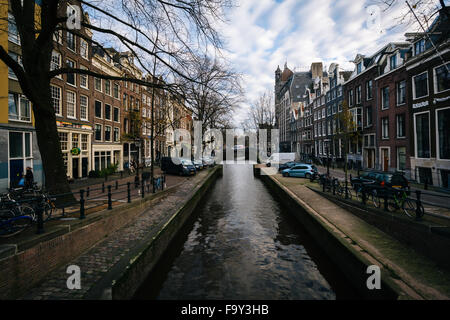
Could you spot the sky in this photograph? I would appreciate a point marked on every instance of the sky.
(262, 34)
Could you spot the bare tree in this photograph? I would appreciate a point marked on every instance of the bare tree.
(214, 95)
(187, 25)
(261, 113)
(423, 11)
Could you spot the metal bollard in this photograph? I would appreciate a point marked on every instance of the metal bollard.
(334, 187)
(363, 195)
(163, 178)
(419, 205)
(129, 192)
(109, 198)
(117, 184)
(142, 190)
(154, 185)
(136, 182)
(323, 184)
(40, 219)
(82, 201)
(103, 187)
(87, 192)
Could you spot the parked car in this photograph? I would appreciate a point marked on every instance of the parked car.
(280, 158)
(210, 162)
(381, 179)
(288, 165)
(302, 170)
(177, 166)
(198, 164)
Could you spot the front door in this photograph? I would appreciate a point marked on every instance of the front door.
(84, 167)
(75, 168)
(15, 172)
(385, 157)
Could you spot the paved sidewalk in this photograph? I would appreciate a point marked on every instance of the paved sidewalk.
(419, 276)
(101, 258)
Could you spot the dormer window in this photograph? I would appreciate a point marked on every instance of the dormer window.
(419, 47)
(359, 68)
(393, 62)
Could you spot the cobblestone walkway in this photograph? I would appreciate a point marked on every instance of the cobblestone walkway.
(103, 256)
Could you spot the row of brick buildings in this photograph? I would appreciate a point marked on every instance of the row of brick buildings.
(100, 122)
(399, 99)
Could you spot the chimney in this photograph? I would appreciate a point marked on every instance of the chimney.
(317, 70)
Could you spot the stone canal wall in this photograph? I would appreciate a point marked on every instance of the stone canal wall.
(22, 269)
(149, 253)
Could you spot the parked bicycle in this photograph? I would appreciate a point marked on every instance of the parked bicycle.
(371, 193)
(398, 199)
(14, 216)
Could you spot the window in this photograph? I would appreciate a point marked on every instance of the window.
(56, 99)
(98, 109)
(401, 92)
(19, 108)
(84, 142)
(108, 87)
(71, 111)
(107, 112)
(16, 58)
(84, 103)
(358, 94)
(107, 133)
(70, 76)
(359, 68)
(125, 101)
(385, 98)
(98, 132)
(20, 154)
(75, 140)
(340, 91)
(357, 116)
(70, 41)
(116, 115)
(422, 135)
(84, 82)
(420, 85)
(64, 141)
(98, 84)
(401, 126)
(393, 62)
(385, 128)
(419, 47)
(84, 48)
(13, 33)
(116, 134)
(442, 78)
(443, 120)
(57, 36)
(368, 116)
(55, 63)
(116, 91)
(350, 98)
(401, 158)
(369, 85)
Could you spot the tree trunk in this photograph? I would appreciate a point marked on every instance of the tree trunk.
(49, 145)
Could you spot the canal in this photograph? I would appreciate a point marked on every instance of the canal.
(241, 243)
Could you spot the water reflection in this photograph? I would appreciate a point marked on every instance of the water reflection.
(240, 246)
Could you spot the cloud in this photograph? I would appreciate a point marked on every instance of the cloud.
(262, 34)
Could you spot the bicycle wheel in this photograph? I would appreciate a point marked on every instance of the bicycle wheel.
(15, 225)
(410, 208)
(48, 210)
(375, 199)
(392, 205)
(26, 210)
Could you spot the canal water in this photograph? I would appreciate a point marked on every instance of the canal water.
(241, 243)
